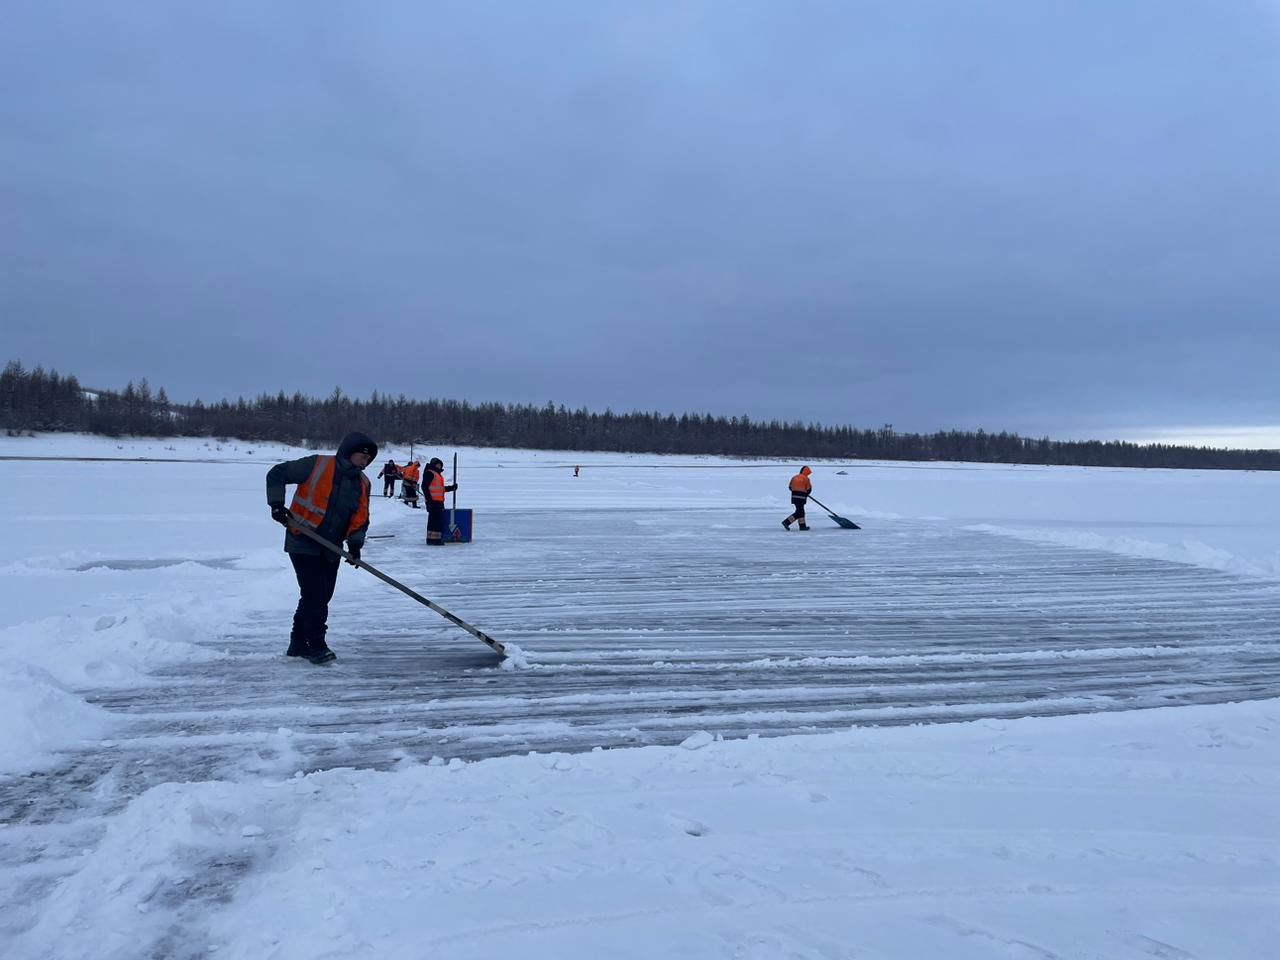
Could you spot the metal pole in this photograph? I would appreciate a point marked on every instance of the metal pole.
(453, 506)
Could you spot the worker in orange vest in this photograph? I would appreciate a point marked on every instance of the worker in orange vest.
(801, 486)
(409, 483)
(333, 500)
(435, 488)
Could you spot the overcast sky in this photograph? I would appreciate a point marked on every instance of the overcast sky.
(1052, 217)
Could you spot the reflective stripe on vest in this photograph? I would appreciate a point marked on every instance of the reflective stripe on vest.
(311, 499)
(436, 488)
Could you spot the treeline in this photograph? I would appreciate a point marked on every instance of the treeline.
(44, 400)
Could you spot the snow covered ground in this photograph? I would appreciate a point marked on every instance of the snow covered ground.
(170, 786)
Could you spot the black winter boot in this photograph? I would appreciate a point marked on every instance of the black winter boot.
(802, 527)
(319, 652)
(297, 646)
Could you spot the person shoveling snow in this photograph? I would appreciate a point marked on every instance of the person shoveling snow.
(332, 500)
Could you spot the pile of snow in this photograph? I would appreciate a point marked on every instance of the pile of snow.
(48, 661)
(108, 651)
(514, 658)
(39, 716)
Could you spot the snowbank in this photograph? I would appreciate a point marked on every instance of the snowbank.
(93, 446)
(1193, 552)
(48, 661)
(39, 716)
(1149, 833)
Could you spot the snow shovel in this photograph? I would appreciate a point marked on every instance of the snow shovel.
(846, 523)
(478, 634)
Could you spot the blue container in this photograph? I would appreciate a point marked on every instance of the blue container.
(457, 526)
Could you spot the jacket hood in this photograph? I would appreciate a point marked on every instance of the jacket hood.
(805, 471)
(356, 441)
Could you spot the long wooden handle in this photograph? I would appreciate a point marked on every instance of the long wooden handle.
(478, 634)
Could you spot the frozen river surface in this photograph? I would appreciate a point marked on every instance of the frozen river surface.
(642, 627)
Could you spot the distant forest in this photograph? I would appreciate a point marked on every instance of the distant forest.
(43, 400)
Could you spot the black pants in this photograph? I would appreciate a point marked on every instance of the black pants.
(435, 519)
(797, 508)
(388, 486)
(316, 579)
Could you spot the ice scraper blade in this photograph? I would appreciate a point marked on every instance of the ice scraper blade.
(846, 523)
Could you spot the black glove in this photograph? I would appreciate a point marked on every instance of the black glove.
(354, 555)
(280, 515)
(452, 487)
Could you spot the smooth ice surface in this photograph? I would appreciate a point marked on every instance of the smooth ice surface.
(170, 785)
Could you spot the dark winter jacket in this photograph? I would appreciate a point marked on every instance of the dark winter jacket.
(349, 485)
(390, 471)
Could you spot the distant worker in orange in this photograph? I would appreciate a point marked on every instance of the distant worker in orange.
(801, 487)
(436, 488)
(409, 483)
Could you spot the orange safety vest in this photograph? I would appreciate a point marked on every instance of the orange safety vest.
(800, 483)
(435, 489)
(411, 472)
(311, 499)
